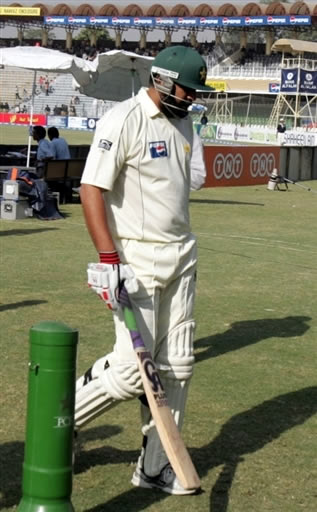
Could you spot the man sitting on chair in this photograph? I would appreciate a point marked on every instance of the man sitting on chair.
(59, 145)
(44, 150)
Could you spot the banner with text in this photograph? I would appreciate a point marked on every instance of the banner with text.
(239, 166)
(7, 118)
(308, 82)
(289, 79)
(181, 22)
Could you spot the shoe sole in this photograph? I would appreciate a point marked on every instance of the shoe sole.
(139, 482)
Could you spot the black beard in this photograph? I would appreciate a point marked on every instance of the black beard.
(174, 108)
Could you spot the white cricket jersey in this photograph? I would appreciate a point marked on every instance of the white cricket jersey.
(142, 160)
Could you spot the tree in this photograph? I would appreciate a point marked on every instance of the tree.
(36, 33)
(102, 35)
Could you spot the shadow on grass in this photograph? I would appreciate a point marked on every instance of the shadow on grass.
(12, 454)
(249, 432)
(244, 433)
(20, 232)
(218, 201)
(21, 304)
(242, 334)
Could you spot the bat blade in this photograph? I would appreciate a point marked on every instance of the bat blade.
(170, 437)
(169, 434)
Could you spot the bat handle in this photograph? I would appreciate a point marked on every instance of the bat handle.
(130, 320)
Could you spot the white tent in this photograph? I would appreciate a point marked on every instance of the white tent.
(114, 76)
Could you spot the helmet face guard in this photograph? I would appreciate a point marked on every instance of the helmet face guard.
(179, 65)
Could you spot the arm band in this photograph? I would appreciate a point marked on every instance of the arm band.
(110, 258)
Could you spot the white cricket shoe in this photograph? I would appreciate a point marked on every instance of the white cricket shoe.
(167, 481)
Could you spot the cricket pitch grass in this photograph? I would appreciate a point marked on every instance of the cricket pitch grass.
(251, 424)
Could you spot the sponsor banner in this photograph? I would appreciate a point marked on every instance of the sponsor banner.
(253, 21)
(225, 132)
(218, 85)
(79, 21)
(239, 166)
(180, 22)
(238, 133)
(98, 20)
(91, 123)
(241, 133)
(275, 88)
(308, 81)
(20, 11)
(165, 22)
(232, 22)
(55, 20)
(299, 20)
(289, 79)
(7, 118)
(207, 132)
(262, 135)
(293, 138)
(77, 123)
(58, 121)
(144, 22)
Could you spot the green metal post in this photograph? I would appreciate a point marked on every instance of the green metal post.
(47, 467)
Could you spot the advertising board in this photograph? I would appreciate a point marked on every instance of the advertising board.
(239, 166)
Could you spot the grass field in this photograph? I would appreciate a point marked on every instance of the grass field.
(251, 421)
(20, 134)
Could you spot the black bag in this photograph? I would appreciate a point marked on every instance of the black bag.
(36, 191)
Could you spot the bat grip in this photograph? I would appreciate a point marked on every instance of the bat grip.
(130, 320)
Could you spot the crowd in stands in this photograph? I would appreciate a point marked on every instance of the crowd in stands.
(46, 85)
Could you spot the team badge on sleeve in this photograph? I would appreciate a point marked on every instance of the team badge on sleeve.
(158, 149)
(105, 144)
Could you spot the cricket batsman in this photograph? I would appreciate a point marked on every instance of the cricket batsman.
(143, 162)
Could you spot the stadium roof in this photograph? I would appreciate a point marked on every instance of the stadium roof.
(166, 8)
(294, 46)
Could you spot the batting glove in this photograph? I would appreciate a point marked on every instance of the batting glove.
(107, 277)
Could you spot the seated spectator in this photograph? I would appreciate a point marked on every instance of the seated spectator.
(59, 145)
(47, 110)
(44, 150)
(56, 111)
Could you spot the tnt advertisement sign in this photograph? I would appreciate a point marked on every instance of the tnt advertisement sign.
(239, 166)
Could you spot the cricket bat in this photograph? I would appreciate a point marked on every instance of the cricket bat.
(170, 437)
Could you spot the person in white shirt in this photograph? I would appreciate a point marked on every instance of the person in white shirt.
(135, 189)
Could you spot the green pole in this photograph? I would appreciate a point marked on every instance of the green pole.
(47, 467)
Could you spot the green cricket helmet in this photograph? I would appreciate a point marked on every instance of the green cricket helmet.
(184, 65)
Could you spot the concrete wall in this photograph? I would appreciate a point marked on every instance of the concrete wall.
(298, 163)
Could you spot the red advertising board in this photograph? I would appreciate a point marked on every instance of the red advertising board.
(238, 166)
(7, 118)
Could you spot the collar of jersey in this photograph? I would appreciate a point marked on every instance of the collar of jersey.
(148, 104)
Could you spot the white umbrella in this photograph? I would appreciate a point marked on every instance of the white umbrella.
(41, 59)
(115, 75)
